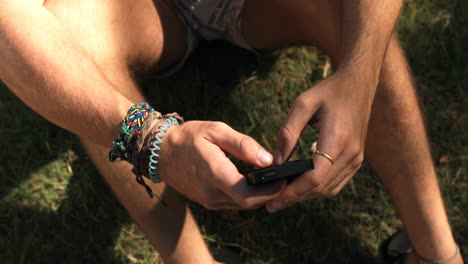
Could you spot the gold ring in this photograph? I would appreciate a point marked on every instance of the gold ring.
(323, 154)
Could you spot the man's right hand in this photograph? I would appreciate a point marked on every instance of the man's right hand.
(193, 162)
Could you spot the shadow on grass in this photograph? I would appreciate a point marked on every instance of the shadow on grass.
(301, 234)
(83, 229)
(204, 90)
(86, 220)
(76, 220)
(82, 223)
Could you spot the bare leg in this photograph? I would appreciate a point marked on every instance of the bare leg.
(172, 229)
(397, 134)
(396, 146)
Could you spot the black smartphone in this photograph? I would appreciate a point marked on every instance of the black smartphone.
(284, 171)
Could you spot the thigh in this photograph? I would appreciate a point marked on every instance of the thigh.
(123, 37)
(280, 24)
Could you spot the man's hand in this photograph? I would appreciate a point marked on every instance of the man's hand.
(342, 103)
(194, 163)
(341, 115)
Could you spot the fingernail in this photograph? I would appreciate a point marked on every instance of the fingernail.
(275, 206)
(264, 157)
(270, 208)
(278, 156)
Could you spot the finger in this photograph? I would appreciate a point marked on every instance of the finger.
(228, 179)
(335, 173)
(283, 204)
(333, 187)
(350, 161)
(341, 185)
(329, 158)
(336, 187)
(217, 200)
(313, 183)
(221, 200)
(232, 206)
(327, 175)
(294, 192)
(255, 196)
(241, 146)
(226, 206)
(299, 116)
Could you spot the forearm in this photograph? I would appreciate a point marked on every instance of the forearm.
(42, 64)
(367, 27)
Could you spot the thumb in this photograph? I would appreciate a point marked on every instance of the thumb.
(241, 146)
(299, 116)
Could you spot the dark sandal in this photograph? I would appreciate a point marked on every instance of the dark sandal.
(395, 248)
(227, 255)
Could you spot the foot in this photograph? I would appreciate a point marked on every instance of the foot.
(397, 249)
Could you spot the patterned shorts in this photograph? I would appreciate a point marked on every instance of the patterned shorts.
(209, 20)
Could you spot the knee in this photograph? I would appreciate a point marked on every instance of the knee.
(281, 24)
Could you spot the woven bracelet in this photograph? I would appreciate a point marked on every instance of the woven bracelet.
(129, 131)
(130, 144)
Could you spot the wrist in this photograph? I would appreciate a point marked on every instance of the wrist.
(148, 145)
(359, 74)
(168, 121)
(351, 85)
(141, 134)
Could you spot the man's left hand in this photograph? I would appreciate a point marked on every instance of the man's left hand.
(340, 108)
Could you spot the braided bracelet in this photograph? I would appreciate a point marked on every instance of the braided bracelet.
(154, 158)
(139, 141)
(129, 131)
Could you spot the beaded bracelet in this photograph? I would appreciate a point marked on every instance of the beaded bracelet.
(129, 131)
(139, 141)
(154, 158)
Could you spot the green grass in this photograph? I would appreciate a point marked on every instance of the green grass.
(54, 207)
